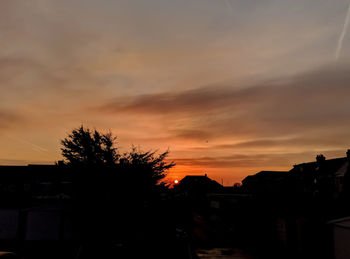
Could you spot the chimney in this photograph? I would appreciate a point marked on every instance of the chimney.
(320, 158)
(348, 154)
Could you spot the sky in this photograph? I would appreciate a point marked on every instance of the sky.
(230, 87)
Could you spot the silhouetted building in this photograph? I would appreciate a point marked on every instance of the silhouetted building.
(199, 184)
(23, 186)
(322, 177)
(266, 181)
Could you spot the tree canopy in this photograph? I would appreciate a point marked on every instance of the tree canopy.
(148, 167)
(84, 147)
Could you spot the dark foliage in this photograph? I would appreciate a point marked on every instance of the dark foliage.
(118, 197)
(90, 148)
(84, 147)
(147, 167)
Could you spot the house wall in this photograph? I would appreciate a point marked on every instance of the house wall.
(43, 225)
(9, 222)
(37, 225)
(281, 228)
(341, 237)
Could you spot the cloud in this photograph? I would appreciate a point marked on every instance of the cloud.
(9, 119)
(59, 57)
(191, 101)
(240, 160)
(320, 85)
(295, 143)
(262, 161)
(191, 134)
(314, 101)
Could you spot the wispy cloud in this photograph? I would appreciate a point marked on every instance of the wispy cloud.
(265, 160)
(175, 74)
(271, 125)
(317, 99)
(9, 118)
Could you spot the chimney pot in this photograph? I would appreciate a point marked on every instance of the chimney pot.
(320, 158)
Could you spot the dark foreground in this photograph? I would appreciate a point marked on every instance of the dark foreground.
(60, 212)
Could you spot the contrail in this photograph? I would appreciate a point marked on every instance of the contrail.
(343, 33)
(34, 147)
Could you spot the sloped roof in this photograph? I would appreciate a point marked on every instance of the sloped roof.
(330, 166)
(267, 176)
(343, 169)
(198, 181)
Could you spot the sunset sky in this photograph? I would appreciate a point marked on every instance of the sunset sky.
(231, 87)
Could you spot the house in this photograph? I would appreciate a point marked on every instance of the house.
(322, 177)
(48, 223)
(199, 184)
(20, 186)
(266, 181)
(9, 224)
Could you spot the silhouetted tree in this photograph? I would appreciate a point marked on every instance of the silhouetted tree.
(117, 197)
(148, 168)
(90, 148)
(84, 147)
